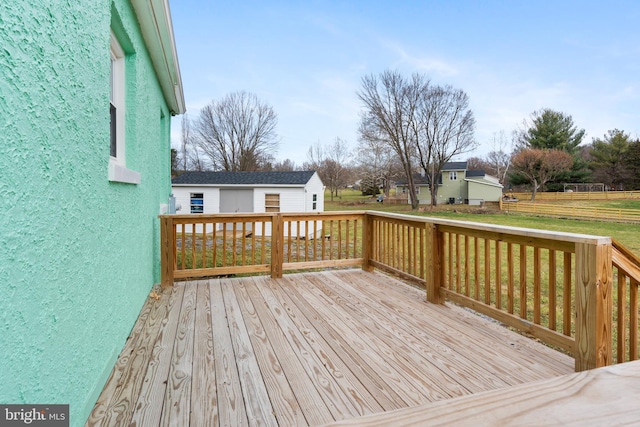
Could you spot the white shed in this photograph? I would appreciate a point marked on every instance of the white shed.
(231, 192)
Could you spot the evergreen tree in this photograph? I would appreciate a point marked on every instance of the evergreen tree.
(633, 164)
(553, 130)
(609, 159)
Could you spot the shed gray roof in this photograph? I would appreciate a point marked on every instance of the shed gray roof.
(475, 174)
(244, 178)
(454, 166)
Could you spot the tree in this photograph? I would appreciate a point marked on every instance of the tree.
(189, 157)
(378, 165)
(499, 158)
(331, 163)
(478, 164)
(424, 125)
(608, 159)
(286, 165)
(550, 130)
(497, 162)
(445, 129)
(553, 130)
(390, 116)
(541, 166)
(633, 163)
(237, 133)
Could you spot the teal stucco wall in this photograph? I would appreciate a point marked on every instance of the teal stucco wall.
(79, 254)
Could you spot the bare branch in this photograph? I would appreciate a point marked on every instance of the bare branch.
(237, 133)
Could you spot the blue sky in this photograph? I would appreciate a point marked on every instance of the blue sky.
(306, 59)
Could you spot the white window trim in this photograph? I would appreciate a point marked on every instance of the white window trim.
(453, 176)
(118, 171)
(192, 205)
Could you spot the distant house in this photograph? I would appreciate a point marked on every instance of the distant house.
(87, 91)
(457, 185)
(231, 192)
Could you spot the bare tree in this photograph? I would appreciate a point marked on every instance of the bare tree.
(331, 163)
(315, 157)
(476, 163)
(541, 166)
(378, 164)
(500, 156)
(189, 157)
(185, 140)
(336, 167)
(390, 115)
(286, 165)
(446, 129)
(237, 133)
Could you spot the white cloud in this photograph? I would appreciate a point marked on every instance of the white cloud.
(421, 63)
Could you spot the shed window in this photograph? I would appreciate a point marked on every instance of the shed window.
(272, 203)
(197, 203)
(315, 199)
(453, 176)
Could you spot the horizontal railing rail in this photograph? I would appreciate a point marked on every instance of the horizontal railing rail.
(558, 287)
(214, 245)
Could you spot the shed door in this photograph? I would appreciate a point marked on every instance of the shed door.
(233, 201)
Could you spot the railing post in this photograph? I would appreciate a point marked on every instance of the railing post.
(277, 245)
(367, 242)
(594, 306)
(167, 251)
(435, 260)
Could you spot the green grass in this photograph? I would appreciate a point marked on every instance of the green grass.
(627, 234)
(613, 204)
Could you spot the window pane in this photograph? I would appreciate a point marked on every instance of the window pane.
(114, 127)
(197, 203)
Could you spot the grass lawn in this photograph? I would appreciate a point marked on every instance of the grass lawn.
(627, 234)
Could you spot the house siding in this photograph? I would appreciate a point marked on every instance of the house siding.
(211, 198)
(292, 199)
(456, 189)
(485, 192)
(80, 253)
(314, 186)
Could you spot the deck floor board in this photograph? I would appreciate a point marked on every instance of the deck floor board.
(307, 349)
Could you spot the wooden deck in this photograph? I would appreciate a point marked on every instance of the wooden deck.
(307, 349)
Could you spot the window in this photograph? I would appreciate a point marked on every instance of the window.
(117, 161)
(453, 176)
(197, 203)
(315, 199)
(272, 203)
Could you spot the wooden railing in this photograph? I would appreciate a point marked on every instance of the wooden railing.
(214, 245)
(626, 272)
(591, 212)
(557, 287)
